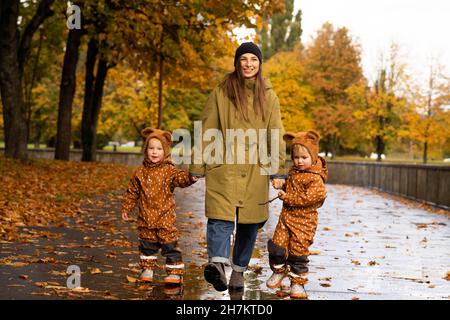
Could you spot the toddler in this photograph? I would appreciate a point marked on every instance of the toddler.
(302, 194)
(152, 186)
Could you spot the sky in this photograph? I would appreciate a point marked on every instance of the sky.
(421, 29)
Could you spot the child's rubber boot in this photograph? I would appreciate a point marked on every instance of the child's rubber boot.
(146, 275)
(298, 291)
(173, 279)
(275, 280)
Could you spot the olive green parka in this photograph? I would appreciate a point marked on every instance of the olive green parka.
(236, 185)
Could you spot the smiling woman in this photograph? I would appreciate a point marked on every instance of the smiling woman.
(243, 101)
(249, 65)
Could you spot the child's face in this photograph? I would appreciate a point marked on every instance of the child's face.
(249, 65)
(302, 159)
(155, 151)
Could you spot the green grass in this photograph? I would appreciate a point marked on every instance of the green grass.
(123, 149)
(29, 146)
(107, 148)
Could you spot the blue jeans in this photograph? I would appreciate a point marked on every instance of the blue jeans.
(218, 234)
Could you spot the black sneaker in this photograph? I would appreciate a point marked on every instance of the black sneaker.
(215, 274)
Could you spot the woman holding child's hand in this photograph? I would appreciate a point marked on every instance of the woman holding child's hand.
(243, 102)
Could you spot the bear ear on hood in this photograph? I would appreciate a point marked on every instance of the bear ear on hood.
(289, 136)
(146, 132)
(168, 136)
(313, 135)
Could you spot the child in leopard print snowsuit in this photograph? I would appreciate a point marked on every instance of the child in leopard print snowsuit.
(151, 187)
(303, 193)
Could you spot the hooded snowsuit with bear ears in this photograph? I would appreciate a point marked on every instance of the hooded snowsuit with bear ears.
(152, 188)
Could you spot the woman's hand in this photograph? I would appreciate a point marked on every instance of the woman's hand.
(281, 194)
(278, 183)
(125, 216)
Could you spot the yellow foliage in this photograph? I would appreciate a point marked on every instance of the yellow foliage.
(286, 72)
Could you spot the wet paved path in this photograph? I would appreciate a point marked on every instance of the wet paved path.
(367, 246)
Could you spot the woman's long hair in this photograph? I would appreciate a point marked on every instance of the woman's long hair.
(234, 87)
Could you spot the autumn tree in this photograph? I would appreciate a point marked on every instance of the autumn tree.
(332, 66)
(286, 71)
(282, 31)
(427, 122)
(16, 34)
(68, 86)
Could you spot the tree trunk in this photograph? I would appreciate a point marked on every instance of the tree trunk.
(28, 90)
(66, 95)
(379, 144)
(93, 95)
(379, 140)
(160, 90)
(86, 122)
(425, 152)
(14, 52)
(14, 113)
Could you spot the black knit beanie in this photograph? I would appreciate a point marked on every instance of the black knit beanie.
(247, 47)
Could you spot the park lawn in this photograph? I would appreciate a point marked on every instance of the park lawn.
(40, 192)
(124, 149)
(107, 148)
(29, 146)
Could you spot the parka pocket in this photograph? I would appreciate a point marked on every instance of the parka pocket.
(210, 167)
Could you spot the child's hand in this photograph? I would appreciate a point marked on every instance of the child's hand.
(194, 178)
(125, 216)
(282, 194)
(278, 183)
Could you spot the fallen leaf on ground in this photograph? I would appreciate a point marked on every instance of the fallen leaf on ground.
(23, 277)
(15, 264)
(282, 294)
(325, 279)
(447, 277)
(41, 294)
(80, 289)
(96, 271)
(372, 263)
(56, 287)
(131, 279)
(256, 269)
(325, 284)
(41, 284)
(314, 253)
(356, 262)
